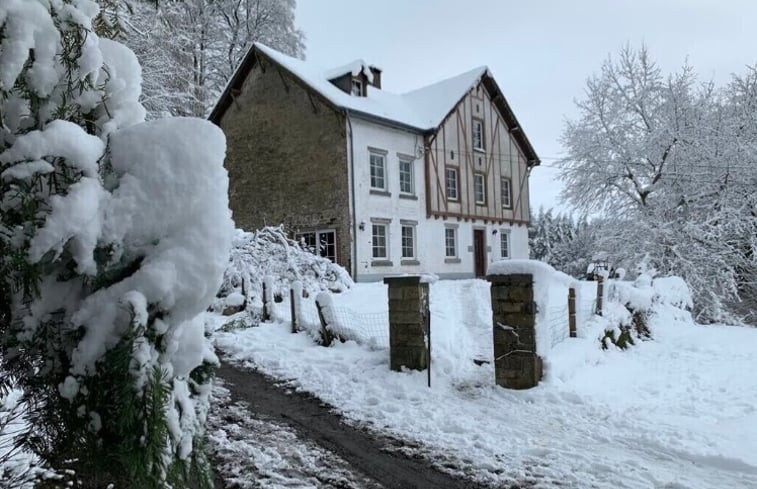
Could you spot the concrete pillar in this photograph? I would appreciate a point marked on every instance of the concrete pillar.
(408, 316)
(516, 364)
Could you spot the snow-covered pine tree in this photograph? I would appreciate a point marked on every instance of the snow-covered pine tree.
(562, 241)
(114, 235)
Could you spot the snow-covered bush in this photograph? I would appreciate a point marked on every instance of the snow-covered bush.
(635, 308)
(114, 235)
(268, 252)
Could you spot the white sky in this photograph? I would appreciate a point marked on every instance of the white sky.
(540, 51)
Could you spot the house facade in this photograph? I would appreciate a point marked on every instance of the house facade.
(433, 180)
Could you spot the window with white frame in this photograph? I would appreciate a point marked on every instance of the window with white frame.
(378, 170)
(408, 241)
(479, 188)
(357, 88)
(407, 184)
(450, 179)
(504, 243)
(478, 134)
(507, 202)
(450, 242)
(379, 241)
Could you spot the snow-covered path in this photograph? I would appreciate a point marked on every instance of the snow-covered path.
(676, 412)
(273, 437)
(255, 451)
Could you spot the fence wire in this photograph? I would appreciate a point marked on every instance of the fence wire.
(366, 328)
(557, 322)
(370, 329)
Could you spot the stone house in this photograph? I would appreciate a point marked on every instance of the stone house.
(432, 180)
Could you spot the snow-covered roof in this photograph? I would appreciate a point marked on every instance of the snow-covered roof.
(423, 109)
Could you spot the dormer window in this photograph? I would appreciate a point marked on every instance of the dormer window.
(357, 88)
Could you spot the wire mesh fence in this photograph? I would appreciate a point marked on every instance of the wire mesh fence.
(370, 329)
(366, 328)
(557, 322)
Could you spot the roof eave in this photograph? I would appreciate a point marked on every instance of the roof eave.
(512, 122)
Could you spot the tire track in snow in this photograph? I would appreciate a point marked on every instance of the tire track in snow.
(366, 453)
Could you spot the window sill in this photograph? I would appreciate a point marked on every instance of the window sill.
(480, 150)
(410, 261)
(409, 196)
(382, 193)
(481, 204)
(507, 208)
(382, 263)
(455, 200)
(452, 260)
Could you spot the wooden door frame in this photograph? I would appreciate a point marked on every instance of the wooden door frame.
(482, 253)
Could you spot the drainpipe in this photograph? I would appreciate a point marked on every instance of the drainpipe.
(352, 200)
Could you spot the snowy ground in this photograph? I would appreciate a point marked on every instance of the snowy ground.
(676, 412)
(255, 452)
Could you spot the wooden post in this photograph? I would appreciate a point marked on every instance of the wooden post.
(266, 306)
(572, 312)
(325, 333)
(293, 309)
(427, 314)
(600, 293)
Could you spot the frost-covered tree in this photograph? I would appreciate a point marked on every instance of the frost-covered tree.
(670, 164)
(114, 235)
(189, 49)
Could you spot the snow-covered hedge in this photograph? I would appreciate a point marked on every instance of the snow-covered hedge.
(269, 252)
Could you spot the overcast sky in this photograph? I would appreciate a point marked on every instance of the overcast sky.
(540, 51)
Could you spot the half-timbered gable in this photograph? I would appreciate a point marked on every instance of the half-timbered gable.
(476, 165)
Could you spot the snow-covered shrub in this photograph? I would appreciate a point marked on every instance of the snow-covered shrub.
(635, 308)
(114, 234)
(269, 252)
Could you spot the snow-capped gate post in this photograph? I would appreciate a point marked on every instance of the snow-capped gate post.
(409, 331)
(516, 364)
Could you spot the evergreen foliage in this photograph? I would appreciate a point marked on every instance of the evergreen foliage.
(562, 241)
(128, 417)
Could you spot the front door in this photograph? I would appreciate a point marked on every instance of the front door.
(479, 252)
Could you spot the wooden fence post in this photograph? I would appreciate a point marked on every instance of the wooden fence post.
(600, 293)
(572, 312)
(266, 306)
(326, 335)
(293, 309)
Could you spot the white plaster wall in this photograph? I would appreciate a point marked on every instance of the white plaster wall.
(430, 248)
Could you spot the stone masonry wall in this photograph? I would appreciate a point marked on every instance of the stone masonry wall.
(287, 158)
(516, 364)
(408, 311)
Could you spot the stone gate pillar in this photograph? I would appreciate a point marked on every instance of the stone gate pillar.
(516, 364)
(408, 316)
